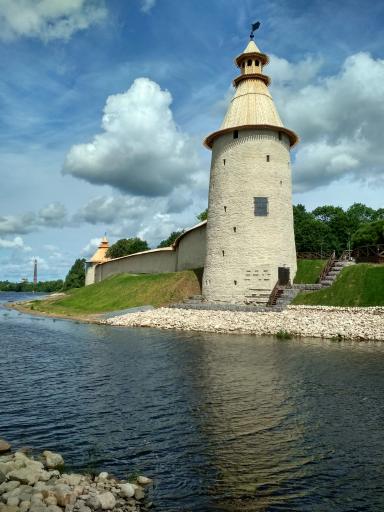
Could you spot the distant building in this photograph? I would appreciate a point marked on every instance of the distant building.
(100, 256)
(250, 237)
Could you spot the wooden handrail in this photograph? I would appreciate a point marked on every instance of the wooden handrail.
(328, 266)
(273, 294)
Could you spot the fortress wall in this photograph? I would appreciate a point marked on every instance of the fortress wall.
(191, 249)
(89, 274)
(151, 262)
(188, 254)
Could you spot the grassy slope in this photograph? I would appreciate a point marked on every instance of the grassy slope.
(308, 271)
(124, 291)
(358, 285)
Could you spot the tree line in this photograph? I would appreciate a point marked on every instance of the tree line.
(322, 230)
(25, 286)
(332, 228)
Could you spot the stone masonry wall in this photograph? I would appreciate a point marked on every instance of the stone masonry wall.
(244, 251)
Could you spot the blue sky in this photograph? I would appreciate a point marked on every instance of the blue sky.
(104, 105)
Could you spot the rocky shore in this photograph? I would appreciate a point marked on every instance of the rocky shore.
(311, 321)
(29, 484)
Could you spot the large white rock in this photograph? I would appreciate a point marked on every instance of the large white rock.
(63, 494)
(107, 500)
(27, 475)
(143, 480)
(53, 460)
(127, 490)
(4, 446)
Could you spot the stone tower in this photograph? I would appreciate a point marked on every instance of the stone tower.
(100, 256)
(250, 237)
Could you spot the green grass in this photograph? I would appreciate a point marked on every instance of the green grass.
(283, 335)
(357, 285)
(308, 271)
(123, 291)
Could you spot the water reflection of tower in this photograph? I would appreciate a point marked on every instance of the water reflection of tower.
(35, 272)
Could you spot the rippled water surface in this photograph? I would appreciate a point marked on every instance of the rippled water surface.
(223, 423)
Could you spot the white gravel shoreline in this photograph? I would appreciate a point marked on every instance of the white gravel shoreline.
(311, 321)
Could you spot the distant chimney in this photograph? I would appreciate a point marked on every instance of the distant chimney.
(35, 272)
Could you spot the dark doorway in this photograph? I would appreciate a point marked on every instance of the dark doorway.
(283, 275)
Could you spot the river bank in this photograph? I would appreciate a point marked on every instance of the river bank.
(25, 307)
(355, 323)
(299, 321)
(29, 484)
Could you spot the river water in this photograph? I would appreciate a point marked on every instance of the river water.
(222, 423)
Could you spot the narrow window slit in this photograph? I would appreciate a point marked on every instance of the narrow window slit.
(236, 134)
(234, 229)
(235, 282)
(223, 252)
(260, 205)
(223, 161)
(225, 208)
(268, 158)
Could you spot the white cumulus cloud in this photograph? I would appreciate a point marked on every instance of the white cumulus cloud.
(141, 150)
(16, 243)
(339, 118)
(53, 215)
(147, 5)
(48, 19)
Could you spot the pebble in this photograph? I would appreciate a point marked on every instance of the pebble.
(311, 321)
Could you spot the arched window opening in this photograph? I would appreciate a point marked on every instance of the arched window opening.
(249, 63)
(236, 134)
(257, 63)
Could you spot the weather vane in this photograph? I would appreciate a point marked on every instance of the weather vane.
(254, 27)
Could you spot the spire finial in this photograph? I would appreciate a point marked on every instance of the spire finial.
(254, 27)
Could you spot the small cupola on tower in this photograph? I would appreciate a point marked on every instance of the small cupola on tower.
(252, 105)
(251, 61)
(100, 254)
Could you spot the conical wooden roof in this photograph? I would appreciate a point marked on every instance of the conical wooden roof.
(101, 251)
(252, 105)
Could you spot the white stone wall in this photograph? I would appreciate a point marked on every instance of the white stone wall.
(90, 274)
(191, 249)
(247, 270)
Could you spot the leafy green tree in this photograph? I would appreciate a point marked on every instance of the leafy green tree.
(311, 234)
(369, 234)
(76, 275)
(172, 237)
(203, 215)
(126, 246)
